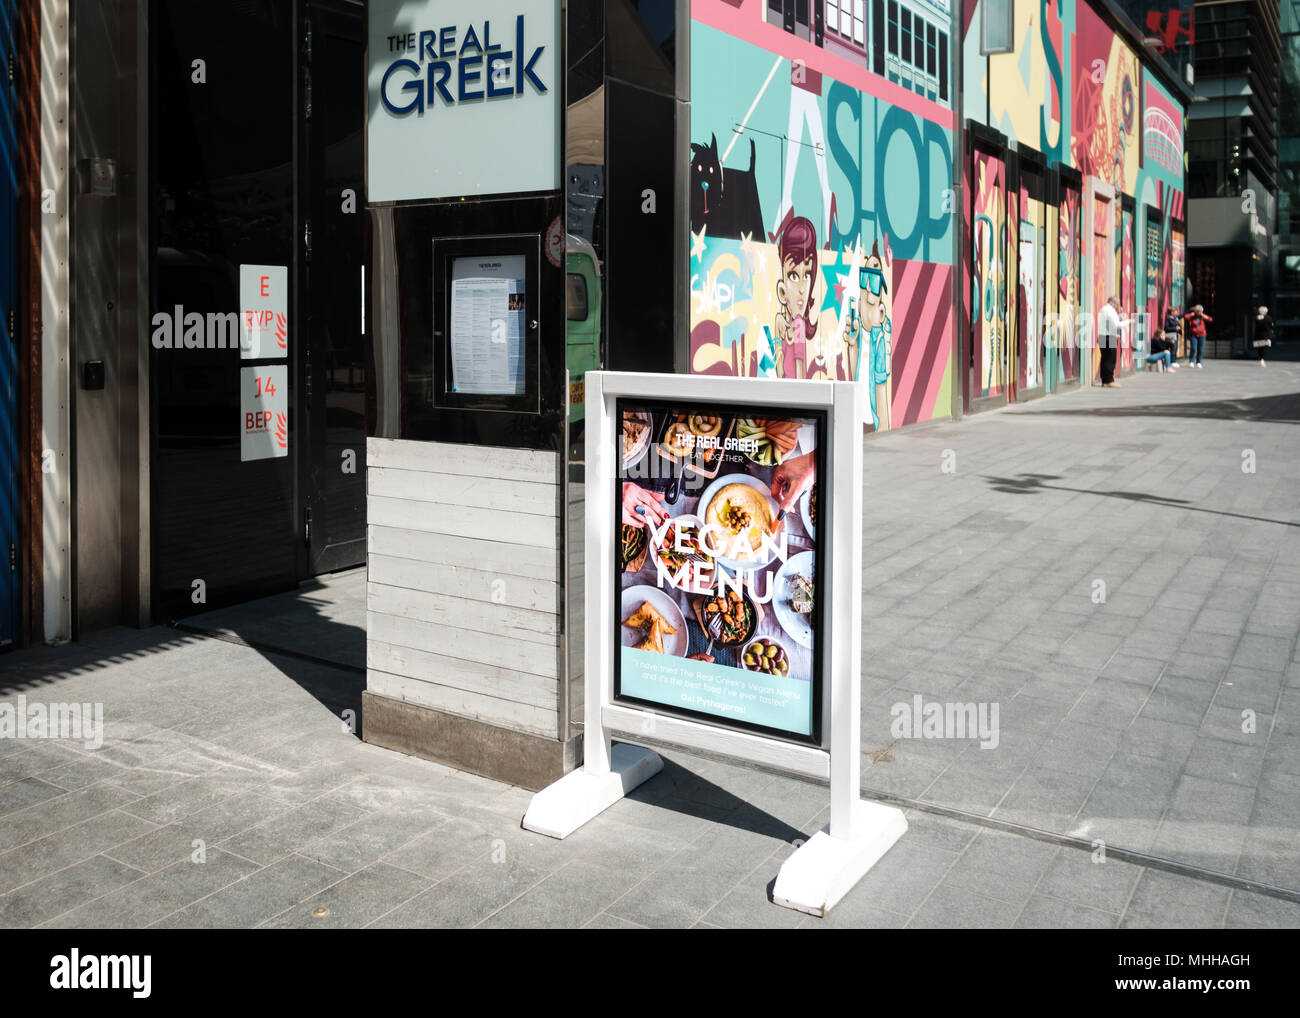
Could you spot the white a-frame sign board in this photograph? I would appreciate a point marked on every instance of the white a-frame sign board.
(710, 416)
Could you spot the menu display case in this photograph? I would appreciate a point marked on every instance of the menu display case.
(485, 334)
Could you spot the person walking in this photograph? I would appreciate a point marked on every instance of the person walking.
(1263, 335)
(1198, 318)
(1108, 326)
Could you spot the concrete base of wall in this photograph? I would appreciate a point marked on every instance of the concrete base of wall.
(528, 761)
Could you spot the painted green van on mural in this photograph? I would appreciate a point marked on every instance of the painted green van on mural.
(583, 327)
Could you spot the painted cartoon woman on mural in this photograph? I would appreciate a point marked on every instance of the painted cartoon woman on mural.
(795, 324)
(872, 317)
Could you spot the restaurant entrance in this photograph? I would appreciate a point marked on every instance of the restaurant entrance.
(257, 365)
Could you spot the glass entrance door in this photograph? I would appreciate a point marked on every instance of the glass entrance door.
(258, 387)
(224, 509)
(331, 189)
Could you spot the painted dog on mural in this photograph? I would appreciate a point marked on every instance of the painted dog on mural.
(724, 200)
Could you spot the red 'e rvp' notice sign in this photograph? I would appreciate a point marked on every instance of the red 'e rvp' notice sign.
(263, 311)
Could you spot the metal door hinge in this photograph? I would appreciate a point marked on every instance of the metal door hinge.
(306, 239)
(11, 67)
(9, 321)
(306, 527)
(306, 86)
(13, 558)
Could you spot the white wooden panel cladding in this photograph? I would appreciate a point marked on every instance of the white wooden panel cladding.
(463, 521)
(463, 599)
(446, 610)
(461, 490)
(517, 717)
(496, 588)
(494, 649)
(484, 680)
(495, 556)
(476, 461)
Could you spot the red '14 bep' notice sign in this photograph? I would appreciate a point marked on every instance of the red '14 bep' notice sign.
(264, 412)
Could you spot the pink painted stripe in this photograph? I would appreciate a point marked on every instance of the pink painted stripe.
(746, 22)
(905, 373)
(942, 364)
(921, 328)
(905, 340)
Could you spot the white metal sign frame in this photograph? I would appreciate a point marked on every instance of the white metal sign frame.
(822, 870)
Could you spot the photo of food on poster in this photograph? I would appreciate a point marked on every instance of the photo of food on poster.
(718, 601)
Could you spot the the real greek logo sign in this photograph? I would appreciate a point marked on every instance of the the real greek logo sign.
(484, 70)
(464, 99)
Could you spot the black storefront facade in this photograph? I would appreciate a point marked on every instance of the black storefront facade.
(256, 155)
(205, 275)
(506, 162)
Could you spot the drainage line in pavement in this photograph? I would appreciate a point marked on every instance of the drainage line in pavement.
(265, 648)
(1129, 855)
(1064, 840)
(1070, 841)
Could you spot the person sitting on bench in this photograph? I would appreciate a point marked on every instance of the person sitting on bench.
(1164, 351)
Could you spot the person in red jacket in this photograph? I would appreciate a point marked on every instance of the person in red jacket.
(1198, 318)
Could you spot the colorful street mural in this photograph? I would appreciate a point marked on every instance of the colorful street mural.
(989, 282)
(1010, 277)
(1178, 264)
(1032, 241)
(822, 214)
(823, 210)
(1025, 91)
(1104, 115)
(1154, 267)
(1076, 91)
(1160, 197)
(1069, 275)
(1102, 284)
(1127, 288)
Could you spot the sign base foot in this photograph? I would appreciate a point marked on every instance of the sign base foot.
(824, 869)
(561, 808)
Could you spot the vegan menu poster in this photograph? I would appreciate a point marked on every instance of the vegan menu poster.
(719, 600)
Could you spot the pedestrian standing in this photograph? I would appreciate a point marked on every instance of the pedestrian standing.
(1173, 331)
(1108, 326)
(1164, 350)
(1198, 318)
(1263, 335)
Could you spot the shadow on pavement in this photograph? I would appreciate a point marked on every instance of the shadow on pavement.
(1279, 409)
(1029, 484)
(678, 790)
(309, 634)
(314, 634)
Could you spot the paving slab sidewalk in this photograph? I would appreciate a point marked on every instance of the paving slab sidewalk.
(1154, 727)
